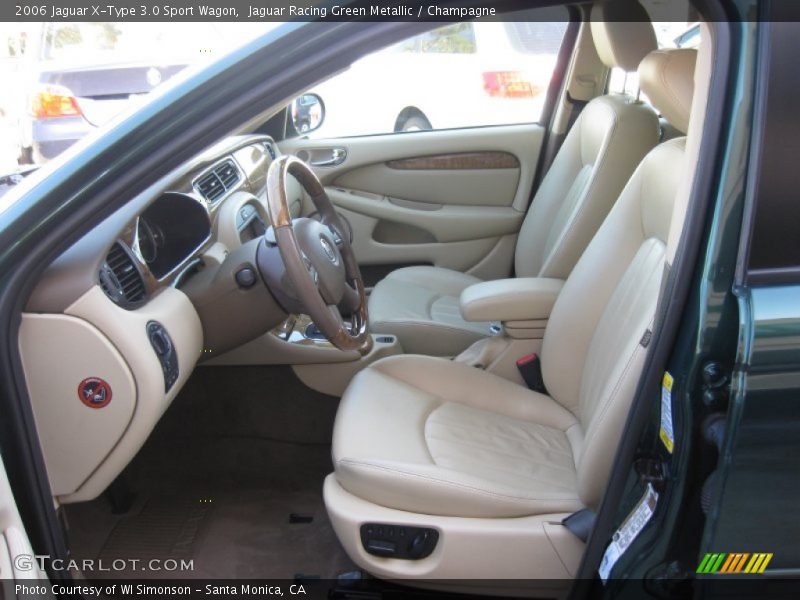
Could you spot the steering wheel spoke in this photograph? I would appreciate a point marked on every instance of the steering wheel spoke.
(337, 316)
(312, 271)
(337, 237)
(350, 299)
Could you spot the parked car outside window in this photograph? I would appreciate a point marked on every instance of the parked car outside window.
(81, 75)
(461, 75)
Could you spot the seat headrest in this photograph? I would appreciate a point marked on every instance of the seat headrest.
(622, 33)
(667, 77)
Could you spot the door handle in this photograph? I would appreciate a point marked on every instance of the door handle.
(336, 156)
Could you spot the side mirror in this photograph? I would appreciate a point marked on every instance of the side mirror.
(308, 112)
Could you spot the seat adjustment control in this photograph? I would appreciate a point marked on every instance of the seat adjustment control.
(419, 544)
(398, 541)
(380, 548)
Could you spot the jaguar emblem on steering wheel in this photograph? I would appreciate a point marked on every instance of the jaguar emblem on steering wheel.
(329, 251)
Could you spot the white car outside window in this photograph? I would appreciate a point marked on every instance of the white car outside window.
(461, 75)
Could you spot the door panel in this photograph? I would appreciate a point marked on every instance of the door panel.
(450, 198)
(16, 554)
(443, 224)
(436, 184)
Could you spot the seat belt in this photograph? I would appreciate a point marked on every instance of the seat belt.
(580, 523)
(530, 369)
(577, 109)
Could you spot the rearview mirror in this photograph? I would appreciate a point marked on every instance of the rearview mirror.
(308, 112)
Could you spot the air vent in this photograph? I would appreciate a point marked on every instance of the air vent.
(215, 183)
(228, 174)
(120, 279)
(210, 187)
(270, 151)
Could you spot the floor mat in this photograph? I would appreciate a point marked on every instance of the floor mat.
(164, 528)
(227, 536)
(216, 482)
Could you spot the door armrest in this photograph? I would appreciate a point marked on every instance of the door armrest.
(518, 299)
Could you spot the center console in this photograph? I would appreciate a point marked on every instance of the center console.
(329, 378)
(523, 306)
(316, 362)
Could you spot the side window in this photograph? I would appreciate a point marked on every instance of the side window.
(468, 74)
(774, 244)
(451, 39)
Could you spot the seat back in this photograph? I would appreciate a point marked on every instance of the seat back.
(595, 343)
(601, 150)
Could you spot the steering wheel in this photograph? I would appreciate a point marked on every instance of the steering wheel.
(318, 260)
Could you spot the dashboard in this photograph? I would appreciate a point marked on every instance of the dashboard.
(173, 228)
(138, 302)
(162, 244)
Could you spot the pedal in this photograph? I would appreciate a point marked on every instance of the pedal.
(295, 518)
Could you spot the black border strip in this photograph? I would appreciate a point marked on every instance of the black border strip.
(301, 11)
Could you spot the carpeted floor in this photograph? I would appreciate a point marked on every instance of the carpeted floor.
(239, 450)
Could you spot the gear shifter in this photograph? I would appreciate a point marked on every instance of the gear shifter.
(312, 332)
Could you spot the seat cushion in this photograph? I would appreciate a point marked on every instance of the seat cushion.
(432, 436)
(420, 306)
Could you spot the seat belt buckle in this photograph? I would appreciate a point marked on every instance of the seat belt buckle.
(530, 368)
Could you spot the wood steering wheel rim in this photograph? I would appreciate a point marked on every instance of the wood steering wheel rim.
(325, 315)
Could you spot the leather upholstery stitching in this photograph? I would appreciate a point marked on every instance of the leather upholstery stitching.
(453, 484)
(529, 460)
(501, 436)
(606, 403)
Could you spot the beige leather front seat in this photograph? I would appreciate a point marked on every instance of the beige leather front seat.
(613, 133)
(489, 465)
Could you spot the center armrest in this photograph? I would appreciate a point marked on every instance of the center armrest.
(518, 299)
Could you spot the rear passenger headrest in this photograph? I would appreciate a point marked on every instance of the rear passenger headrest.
(667, 77)
(622, 33)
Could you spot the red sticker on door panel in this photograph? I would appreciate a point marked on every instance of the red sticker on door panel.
(94, 392)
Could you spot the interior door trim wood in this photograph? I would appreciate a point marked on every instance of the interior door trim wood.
(456, 161)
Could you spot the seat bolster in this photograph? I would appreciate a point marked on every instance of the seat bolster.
(383, 418)
(420, 306)
(434, 490)
(611, 136)
(437, 279)
(432, 436)
(460, 383)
